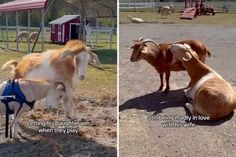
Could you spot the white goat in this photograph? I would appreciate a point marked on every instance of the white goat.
(135, 19)
(33, 36)
(67, 65)
(22, 99)
(172, 8)
(210, 94)
(21, 35)
(165, 11)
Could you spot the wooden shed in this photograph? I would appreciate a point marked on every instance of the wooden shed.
(65, 28)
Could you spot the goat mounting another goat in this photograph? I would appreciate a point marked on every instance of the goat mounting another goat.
(160, 57)
(210, 95)
(67, 65)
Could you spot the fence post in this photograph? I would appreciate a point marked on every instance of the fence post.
(43, 33)
(7, 28)
(17, 31)
(28, 36)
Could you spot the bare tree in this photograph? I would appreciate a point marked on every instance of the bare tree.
(84, 7)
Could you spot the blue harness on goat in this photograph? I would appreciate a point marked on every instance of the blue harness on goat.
(12, 88)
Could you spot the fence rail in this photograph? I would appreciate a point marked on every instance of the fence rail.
(179, 6)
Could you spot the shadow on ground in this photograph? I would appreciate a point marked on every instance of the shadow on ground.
(54, 145)
(158, 101)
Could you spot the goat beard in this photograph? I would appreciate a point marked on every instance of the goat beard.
(137, 64)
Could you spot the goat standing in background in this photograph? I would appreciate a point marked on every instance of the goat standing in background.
(33, 36)
(21, 35)
(165, 11)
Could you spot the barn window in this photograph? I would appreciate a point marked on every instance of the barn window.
(53, 28)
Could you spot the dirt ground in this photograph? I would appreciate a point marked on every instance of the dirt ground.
(141, 136)
(92, 134)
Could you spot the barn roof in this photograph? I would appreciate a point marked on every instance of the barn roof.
(18, 5)
(64, 19)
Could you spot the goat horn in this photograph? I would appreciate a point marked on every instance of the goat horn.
(152, 41)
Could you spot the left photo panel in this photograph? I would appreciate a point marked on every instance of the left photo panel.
(58, 78)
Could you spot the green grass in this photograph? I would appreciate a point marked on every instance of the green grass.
(98, 83)
(218, 19)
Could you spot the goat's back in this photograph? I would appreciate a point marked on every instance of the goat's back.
(215, 97)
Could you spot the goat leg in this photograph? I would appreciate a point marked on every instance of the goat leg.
(167, 82)
(161, 78)
(189, 107)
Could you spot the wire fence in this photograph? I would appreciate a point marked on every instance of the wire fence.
(8, 35)
(8, 38)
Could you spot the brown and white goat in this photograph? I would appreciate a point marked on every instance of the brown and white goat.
(33, 90)
(160, 57)
(67, 65)
(210, 94)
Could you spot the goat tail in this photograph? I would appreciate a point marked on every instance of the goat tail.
(11, 63)
(234, 98)
(208, 52)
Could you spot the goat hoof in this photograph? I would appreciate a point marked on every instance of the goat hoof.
(16, 136)
(160, 88)
(72, 118)
(166, 90)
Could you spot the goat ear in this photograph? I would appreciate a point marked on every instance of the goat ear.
(66, 54)
(187, 57)
(187, 46)
(140, 39)
(145, 50)
(94, 58)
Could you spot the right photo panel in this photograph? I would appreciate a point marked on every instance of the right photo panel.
(177, 78)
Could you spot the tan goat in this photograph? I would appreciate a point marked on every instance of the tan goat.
(33, 90)
(210, 94)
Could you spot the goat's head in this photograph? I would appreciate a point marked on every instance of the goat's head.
(140, 49)
(82, 56)
(183, 52)
(129, 17)
(56, 94)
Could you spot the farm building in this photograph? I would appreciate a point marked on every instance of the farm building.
(65, 28)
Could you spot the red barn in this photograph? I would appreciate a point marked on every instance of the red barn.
(65, 28)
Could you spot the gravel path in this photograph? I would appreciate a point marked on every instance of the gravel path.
(142, 137)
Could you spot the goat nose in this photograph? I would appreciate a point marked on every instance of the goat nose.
(82, 77)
